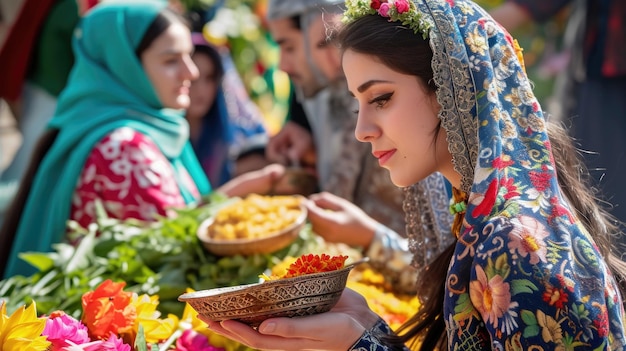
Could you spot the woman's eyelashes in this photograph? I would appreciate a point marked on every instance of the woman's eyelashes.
(381, 100)
(378, 101)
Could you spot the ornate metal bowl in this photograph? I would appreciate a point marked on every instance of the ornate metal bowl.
(289, 297)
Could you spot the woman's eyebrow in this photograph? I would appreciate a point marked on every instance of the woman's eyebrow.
(363, 87)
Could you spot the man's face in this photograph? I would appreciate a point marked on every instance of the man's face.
(325, 55)
(293, 59)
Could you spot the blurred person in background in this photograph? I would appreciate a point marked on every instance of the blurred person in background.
(35, 60)
(226, 128)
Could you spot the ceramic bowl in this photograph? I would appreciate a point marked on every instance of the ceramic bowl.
(289, 297)
(268, 243)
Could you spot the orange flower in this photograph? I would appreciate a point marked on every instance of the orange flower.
(108, 310)
(310, 263)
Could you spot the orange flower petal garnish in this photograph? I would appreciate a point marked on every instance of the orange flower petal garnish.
(307, 264)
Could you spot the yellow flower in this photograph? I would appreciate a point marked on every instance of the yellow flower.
(550, 329)
(519, 52)
(155, 329)
(22, 330)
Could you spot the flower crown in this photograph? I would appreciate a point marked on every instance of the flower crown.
(403, 11)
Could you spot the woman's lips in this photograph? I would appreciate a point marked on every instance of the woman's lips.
(383, 156)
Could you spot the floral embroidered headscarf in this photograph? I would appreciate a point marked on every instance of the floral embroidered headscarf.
(525, 272)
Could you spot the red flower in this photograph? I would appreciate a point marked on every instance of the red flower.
(540, 180)
(484, 207)
(375, 4)
(558, 210)
(602, 322)
(502, 162)
(511, 189)
(555, 297)
(108, 310)
(307, 264)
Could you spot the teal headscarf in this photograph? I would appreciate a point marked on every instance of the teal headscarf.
(107, 89)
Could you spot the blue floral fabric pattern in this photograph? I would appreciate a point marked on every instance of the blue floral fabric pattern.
(525, 273)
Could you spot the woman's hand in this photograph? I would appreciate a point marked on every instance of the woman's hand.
(260, 181)
(338, 220)
(337, 329)
(293, 145)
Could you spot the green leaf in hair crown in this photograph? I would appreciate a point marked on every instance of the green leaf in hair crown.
(403, 11)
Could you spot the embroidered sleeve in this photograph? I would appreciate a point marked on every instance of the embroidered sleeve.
(371, 339)
(127, 172)
(536, 290)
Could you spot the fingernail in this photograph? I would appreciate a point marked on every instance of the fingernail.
(268, 328)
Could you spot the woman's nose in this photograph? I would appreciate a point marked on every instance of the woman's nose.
(365, 130)
(191, 71)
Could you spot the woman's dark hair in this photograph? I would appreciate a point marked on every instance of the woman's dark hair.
(161, 22)
(14, 213)
(215, 57)
(398, 48)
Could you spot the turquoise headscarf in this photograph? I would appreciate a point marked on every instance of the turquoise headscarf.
(107, 89)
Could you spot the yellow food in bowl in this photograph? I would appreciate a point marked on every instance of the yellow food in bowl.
(255, 217)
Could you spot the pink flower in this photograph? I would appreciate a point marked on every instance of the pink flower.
(528, 239)
(402, 6)
(61, 328)
(113, 343)
(191, 340)
(491, 297)
(383, 10)
(90, 346)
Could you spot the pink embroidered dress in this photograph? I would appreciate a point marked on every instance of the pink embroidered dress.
(132, 178)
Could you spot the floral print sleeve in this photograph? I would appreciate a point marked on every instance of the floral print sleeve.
(127, 172)
(520, 288)
(371, 339)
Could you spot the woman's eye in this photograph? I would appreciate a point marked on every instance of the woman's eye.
(381, 100)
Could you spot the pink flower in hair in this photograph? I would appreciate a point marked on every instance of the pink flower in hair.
(402, 6)
(383, 10)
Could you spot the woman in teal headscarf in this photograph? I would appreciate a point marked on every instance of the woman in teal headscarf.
(119, 135)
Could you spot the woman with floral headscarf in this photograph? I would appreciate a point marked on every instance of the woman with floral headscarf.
(441, 87)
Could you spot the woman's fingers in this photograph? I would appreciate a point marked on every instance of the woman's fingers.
(286, 334)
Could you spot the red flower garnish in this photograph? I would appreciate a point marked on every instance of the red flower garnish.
(310, 263)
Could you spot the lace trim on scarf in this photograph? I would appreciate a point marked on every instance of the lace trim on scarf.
(428, 220)
(451, 74)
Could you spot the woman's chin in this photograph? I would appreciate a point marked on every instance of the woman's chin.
(181, 102)
(399, 181)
